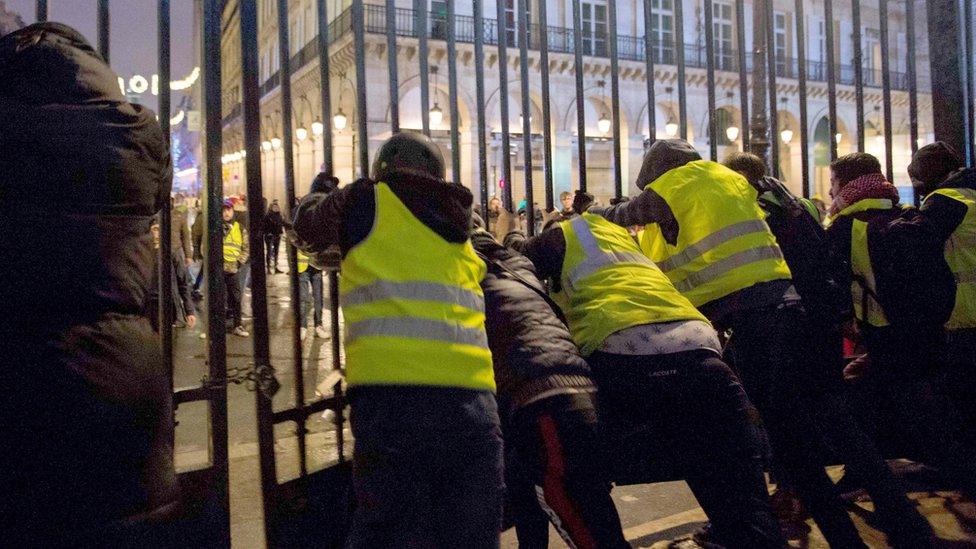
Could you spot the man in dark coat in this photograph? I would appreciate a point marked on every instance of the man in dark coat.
(273, 227)
(87, 424)
(546, 404)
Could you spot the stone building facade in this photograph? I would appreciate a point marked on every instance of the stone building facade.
(596, 66)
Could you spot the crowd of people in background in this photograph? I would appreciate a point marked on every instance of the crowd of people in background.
(712, 325)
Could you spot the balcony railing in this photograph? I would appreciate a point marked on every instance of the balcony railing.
(629, 48)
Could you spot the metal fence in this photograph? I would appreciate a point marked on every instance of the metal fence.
(295, 509)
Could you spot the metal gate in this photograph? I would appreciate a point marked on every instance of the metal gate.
(312, 507)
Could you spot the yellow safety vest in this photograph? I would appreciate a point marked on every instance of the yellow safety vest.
(608, 285)
(864, 288)
(724, 244)
(960, 254)
(233, 243)
(413, 305)
(302, 262)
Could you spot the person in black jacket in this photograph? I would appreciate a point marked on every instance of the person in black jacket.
(87, 411)
(795, 224)
(888, 255)
(546, 404)
(273, 227)
(180, 302)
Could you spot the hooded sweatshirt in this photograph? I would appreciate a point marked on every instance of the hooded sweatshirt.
(81, 174)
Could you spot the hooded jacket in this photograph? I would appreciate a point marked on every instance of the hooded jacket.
(87, 411)
(532, 351)
(943, 214)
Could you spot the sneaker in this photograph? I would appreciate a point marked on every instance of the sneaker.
(321, 333)
(240, 331)
(304, 333)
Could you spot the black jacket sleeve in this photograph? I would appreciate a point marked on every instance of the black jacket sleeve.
(342, 217)
(546, 251)
(839, 246)
(942, 215)
(646, 208)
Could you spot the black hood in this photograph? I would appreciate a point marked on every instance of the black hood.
(932, 164)
(664, 156)
(442, 206)
(51, 63)
(964, 178)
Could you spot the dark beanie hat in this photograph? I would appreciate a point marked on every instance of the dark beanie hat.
(933, 163)
(664, 156)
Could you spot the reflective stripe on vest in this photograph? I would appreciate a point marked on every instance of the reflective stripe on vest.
(960, 254)
(413, 305)
(607, 285)
(233, 243)
(723, 244)
(597, 258)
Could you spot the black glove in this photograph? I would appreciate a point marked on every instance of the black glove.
(324, 184)
(582, 201)
(621, 200)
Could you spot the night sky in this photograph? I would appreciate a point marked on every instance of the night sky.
(133, 33)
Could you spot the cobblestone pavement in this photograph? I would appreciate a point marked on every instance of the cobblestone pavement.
(651, 514)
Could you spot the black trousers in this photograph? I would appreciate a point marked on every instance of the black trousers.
(233, 283)
(765, 348)
(271, 244)
(554, 473)
(705, 425)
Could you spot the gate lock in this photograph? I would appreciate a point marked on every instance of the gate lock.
(261, 378)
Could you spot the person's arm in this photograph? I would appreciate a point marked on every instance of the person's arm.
(245, 248)
(186, 240)
(546, 251)
(839, 256)
(646, 208)
(941, 216)
(183, 290)
(317, 223)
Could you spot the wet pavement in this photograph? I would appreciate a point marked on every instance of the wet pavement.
(650, 514)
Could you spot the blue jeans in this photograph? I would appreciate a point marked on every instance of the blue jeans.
(310, 288)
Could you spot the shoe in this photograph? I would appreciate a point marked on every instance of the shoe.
(240, 331)
(304, 333)
(321, 333)
(279, 271)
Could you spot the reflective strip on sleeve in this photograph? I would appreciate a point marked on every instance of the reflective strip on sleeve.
(734, 261)
(597, 258)
(713, 240)
(416, 328)
(413, 291)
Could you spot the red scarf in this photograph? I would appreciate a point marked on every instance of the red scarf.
(872, 185)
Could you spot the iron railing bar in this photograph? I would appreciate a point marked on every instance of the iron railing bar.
(649, 71)
(452, 91)
(104, 26)
(325, 86)
(251, 114)
(479, 86)
(300, 414)
(679, 38)
(423, 53)
(194, 394)
(618, 179)
(40, 11)
(886, 89)
(580, 105)
(773, 121)
(801, 53)
(740, 31)
(523, 39)
(710, 79)
(831, 77)
(502, 31)
(216, 291)
(912, 80)
(362, 119)
(969, 55)
(284, 54)
(391, 61)
(165, 215)
(546, 105)
(858, 72)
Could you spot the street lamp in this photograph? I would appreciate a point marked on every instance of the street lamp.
(340, 120)
(275, 143)
(671, 128)
(838, 137)
(436, 116)
(732, 132)
(317, 128)
(786, 135)
(266, 146)
(243, 153)
(603, 124)
(301, 134)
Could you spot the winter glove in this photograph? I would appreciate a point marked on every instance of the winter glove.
(582, 201)
(506, 223)
(621, 200)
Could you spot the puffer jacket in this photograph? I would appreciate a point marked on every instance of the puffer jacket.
(532, 351)
(86, 417)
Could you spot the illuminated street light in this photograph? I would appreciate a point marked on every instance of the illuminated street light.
(340, 120)
(732, 132)
(301, 134)
(266, 145)
(436, 116)
(317, 128)
(786, 135)
(603, 124)
(275, 143)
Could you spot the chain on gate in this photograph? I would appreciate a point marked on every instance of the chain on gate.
(253, 378)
